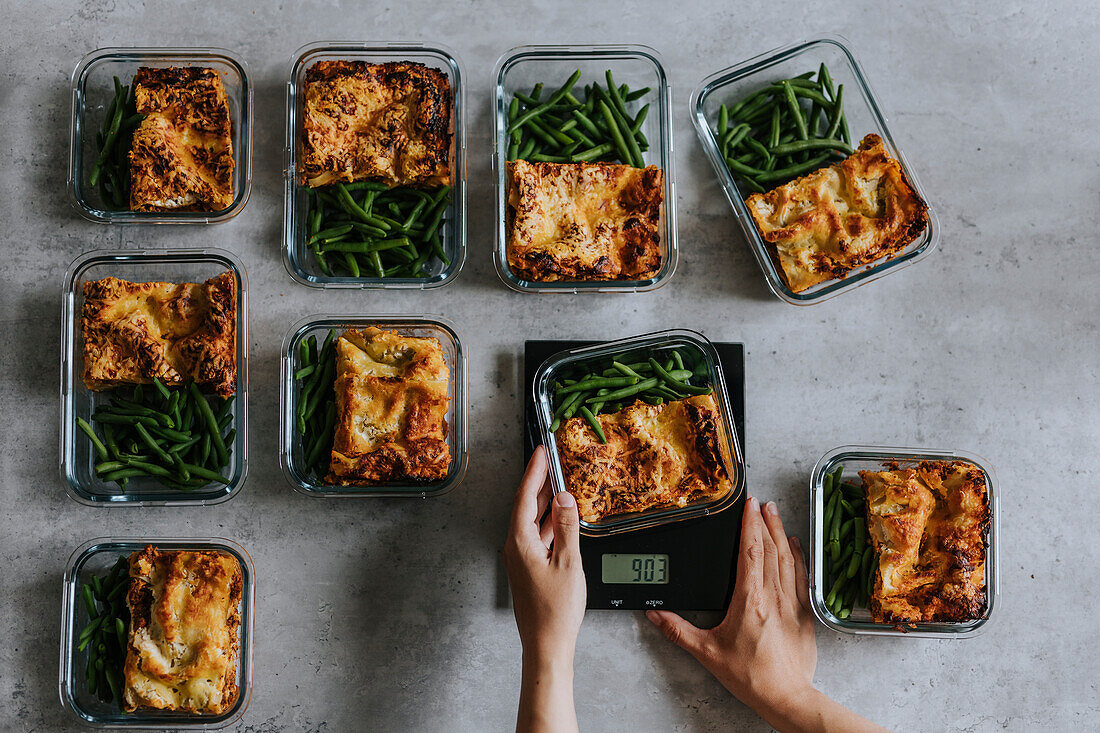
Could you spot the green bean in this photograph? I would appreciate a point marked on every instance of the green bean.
(723, 120)
(801, 145)
(636, 94)
(674, 383)
(211, 423)
(837, 115)
(100, 449)
(633, 389)
(304, 372)
(597, 383)
(531, 114)
(616, 133)
(794, 170)
(854, 563)
(594, 423)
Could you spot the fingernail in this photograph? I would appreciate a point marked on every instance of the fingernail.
(754, 504)
(652, 616)
(564, 499)
(771, 508)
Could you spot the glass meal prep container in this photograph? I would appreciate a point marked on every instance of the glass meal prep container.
(78, 457)
(695, 348)
(92, 91)
(519, 70)
(95, 558)
(856, 458)
(297, 257)
(290, 442)
(864, 117)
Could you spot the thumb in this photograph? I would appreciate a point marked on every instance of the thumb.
(683, 634)
(567, 526)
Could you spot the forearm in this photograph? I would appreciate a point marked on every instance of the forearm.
(811, 712)
(546, 694)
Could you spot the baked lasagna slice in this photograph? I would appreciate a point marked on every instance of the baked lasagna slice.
(391, 409)
(927, 526)
(827, 223)
(181, 158)
(185, 631)
(584, 221)
(668, 455)
(175, 331)
(386, 122)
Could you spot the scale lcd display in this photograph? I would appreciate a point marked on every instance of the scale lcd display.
(651, 569)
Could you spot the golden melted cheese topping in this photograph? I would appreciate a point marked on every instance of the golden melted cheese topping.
(175, 331)
(181, 158)
(927, 526)
(391, 406)
(184, 631)
(381, 122)
(668, 455)
(584, 221)
(825, 224)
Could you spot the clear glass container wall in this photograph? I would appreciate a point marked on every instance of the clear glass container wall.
(637, 66)
(875, 458)
(95, 558)
(290, 443)
(692, 346)
(92, 91)
(864, 116)
(77, 456)
(299, 261)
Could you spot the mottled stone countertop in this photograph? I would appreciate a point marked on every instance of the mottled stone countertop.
(393, 614)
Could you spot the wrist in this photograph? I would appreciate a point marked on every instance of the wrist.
(793, 708)
(552, 659)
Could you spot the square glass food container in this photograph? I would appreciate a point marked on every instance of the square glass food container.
(290, 443)
(864, 116)
(92, 90)
(638, 66)
(95, 558)
(77, 455)
(693, 347)
(856, 458)
(296, 255)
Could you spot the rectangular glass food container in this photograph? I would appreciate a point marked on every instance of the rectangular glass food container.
(92, 91)
(290, 444)
(856, 458)
(95, 558)
(296, 255)
(638, 66)
(864, 117)
(691, 345)
(77, 455)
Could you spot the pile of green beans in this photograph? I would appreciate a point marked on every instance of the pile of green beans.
(315, 413)
(174, 436)
(848, 555)
(111, 171)
(785, 130)
(366, 229)
(105, 635)
(609, 385)
(565, 129)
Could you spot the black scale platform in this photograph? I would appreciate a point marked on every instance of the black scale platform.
(684, 566)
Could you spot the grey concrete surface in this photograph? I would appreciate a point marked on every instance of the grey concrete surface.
(393, 615)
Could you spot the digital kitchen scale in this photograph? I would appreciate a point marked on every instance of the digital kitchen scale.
(683, 566)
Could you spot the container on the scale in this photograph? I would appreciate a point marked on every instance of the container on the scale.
(690, 344)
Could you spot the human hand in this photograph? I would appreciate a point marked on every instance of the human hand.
(763, 651)
(543, 561)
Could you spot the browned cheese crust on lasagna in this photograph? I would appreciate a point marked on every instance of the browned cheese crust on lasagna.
(656, 456)
(386, 122)
(825, 224)
(181, 158)
(185, 631)
(391, 409)
(584, 221)
(927, 526)
(175, 331)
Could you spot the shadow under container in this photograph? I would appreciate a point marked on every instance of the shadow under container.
(78, 457)
(92, 91)
(290, 440)
(297, 257)
(861, 109)
(519, 70)
(96, 558)
(698, 353)
(855, 458)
